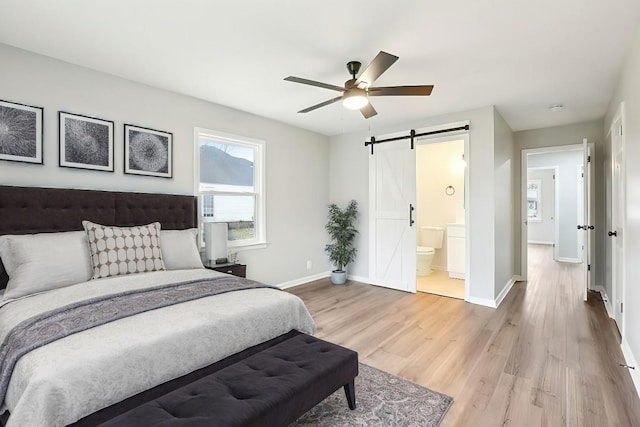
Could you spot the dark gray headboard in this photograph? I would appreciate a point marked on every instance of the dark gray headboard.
(26, 210)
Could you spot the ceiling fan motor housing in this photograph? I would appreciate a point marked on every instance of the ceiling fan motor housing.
(354, 68)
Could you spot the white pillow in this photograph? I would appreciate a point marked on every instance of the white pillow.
(41, 262)
(180, 249)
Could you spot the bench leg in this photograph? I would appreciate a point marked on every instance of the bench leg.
(350, 392)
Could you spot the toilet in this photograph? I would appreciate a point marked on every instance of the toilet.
(430, 239)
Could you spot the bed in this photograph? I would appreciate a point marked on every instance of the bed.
(91, 371)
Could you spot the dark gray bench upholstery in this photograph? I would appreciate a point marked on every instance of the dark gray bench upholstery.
(271, 388)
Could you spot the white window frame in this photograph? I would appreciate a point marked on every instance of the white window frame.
(260, 221)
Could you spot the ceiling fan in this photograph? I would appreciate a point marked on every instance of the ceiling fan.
(356, 91)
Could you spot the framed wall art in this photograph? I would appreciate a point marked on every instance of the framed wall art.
(148, 152)
(20, 132)
(85, 142)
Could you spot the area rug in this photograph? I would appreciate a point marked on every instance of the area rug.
(382, 399)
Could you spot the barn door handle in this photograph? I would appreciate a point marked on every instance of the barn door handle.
(612, 233)
(411, 209)
(591, 227)
(580, 227)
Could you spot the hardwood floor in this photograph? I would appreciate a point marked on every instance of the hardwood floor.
(543, 358)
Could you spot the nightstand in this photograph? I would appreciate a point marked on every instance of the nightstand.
(239, 270)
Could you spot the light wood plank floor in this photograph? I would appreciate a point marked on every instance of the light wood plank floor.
(439, 283)
(543, 358)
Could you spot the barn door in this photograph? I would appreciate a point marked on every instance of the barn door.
(392, 173)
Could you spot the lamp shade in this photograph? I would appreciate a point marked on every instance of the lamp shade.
(215, 240)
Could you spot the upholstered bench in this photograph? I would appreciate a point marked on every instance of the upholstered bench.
(271, 388)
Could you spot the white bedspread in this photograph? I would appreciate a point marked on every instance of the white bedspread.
(61, 382)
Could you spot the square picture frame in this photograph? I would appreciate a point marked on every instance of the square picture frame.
(85, 142)
(148, 152)
(21, 132)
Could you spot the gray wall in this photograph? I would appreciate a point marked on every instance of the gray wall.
(628, 91)
(569, 193)
(544, 230)
(503, 183)
(297, 161)
(565, 135)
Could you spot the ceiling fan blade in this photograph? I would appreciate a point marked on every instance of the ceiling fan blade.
(322, 104)
(314, 83)
(379, 65)
(424, 90)
(368, 111)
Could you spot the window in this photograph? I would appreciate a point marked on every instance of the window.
(534, 211)
(230, 183)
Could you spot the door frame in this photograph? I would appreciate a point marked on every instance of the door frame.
(523, 195)
(467, 243)
(464, 135)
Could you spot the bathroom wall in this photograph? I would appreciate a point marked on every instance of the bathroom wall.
(438, 166)
(543, 231)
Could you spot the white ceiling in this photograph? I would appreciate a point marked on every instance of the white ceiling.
(520, 55)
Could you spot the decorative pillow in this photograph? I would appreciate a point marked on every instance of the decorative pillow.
(45, 261)
(180, 249)
(123, 250)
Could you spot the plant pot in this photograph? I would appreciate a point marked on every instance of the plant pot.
(338, 277)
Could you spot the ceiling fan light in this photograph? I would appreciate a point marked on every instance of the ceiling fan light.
(355, 99)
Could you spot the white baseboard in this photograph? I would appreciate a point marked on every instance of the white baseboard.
(571, 260)
(494, 303)
(518, 278)
(303, 280)
(438, 267)
(605, 299)
(539, 242)
(487, 302)
(631, 361)
(501, 296)
(360, 279)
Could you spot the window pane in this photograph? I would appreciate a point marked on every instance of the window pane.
(226, 164)
(236, 210)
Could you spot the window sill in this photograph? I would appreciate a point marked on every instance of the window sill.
(241, 248)
(248, 247)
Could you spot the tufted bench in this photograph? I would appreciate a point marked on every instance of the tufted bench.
(270, 388)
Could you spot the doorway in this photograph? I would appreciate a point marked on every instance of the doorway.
(440, 218)
(571, 216)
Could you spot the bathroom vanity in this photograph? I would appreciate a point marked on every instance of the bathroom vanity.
(456, 251)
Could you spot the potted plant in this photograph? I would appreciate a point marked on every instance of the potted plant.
(342, 232)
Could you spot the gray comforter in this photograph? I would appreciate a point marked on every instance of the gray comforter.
(65, 380)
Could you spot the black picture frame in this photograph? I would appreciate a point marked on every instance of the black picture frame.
(148, 152)
(85, 142)
(21, 132)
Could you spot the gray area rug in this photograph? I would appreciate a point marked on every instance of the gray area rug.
(382, 399)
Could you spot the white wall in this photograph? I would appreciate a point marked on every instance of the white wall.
(504, 206)
(628, 90)
(569, 192)
(565, 135)
(349, 180)
(543, 231)
(439, 165)
(297, 161)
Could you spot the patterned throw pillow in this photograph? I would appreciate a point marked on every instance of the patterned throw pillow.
(123, 250)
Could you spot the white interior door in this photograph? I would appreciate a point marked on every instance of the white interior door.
(617, 210)
(392, 261)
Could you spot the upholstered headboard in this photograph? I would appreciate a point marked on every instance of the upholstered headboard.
(26, 210)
